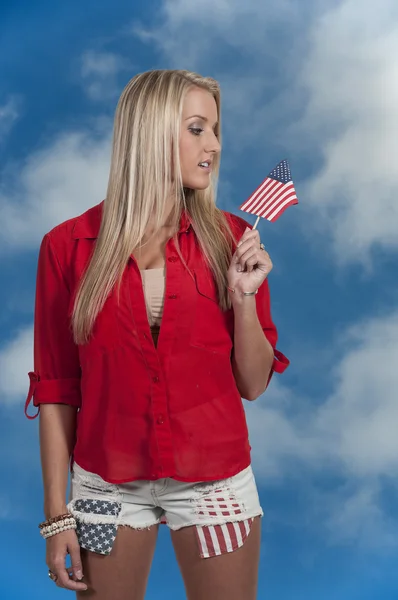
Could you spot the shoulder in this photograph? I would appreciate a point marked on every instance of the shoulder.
(61, 242)
(85, 225)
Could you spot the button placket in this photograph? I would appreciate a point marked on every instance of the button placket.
(164, 461)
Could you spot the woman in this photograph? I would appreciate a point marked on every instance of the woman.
(150, 418)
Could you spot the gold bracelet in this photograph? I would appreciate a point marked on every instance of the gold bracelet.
(250, 293)
(244, 293)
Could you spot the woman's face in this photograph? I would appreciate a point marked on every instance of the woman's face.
(198, 141)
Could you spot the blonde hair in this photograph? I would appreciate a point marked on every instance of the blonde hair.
(145, 169)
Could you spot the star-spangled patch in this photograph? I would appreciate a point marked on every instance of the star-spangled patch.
(96, 537)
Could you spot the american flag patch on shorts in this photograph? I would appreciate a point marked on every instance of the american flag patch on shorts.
(215, 540)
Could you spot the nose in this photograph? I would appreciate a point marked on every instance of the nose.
(213, 145)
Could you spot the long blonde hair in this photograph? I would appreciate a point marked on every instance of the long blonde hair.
(145, 169)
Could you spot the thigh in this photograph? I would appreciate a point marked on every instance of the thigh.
(230, 576)
(123, 574)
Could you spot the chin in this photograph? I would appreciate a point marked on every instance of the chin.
(197, 185)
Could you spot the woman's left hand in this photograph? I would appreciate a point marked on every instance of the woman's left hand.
(254, 262)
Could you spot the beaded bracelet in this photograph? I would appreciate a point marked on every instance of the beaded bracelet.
(55, 520)
(57, 524)
(59, 530)
(57, 527)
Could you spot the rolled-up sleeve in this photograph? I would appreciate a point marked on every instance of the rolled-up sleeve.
(263, 304)
(57, 375)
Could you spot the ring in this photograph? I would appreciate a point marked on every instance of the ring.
(52, 576)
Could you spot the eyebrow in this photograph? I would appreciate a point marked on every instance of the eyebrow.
(203, 119)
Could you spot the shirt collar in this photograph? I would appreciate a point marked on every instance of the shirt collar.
(88, 224)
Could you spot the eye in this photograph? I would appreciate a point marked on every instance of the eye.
(196, 130)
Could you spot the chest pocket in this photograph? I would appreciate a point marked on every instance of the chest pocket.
(210, 325)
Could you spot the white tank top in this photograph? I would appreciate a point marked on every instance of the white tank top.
(153, 281)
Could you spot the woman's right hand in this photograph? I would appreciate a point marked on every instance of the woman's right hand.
(58, 546)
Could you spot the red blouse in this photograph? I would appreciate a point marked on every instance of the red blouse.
(145, 412)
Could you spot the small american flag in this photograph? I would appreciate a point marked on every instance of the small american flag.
(273, 196)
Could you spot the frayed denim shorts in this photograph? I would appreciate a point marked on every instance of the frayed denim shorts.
(221, 511)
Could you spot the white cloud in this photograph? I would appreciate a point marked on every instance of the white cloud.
(55, 183)
(356, 516)
(277, 438)
(241, 25)
(350, 435)
(9, 113)
(99, 72)
(359, 418)
(354, 428)
(351, 77)
(16, 360)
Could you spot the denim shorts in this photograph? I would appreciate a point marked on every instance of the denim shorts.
(221, 511)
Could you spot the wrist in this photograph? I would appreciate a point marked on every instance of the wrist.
(237, 294)
(54, 509)
(243, 303)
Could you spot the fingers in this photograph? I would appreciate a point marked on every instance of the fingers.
(249, 238)
(57, 550)
(63, 578)
(247, 260)
(247, 253)
(77, 569)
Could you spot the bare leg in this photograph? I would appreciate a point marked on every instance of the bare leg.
(231, 576)
(123, 574)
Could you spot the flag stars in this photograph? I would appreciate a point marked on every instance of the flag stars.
(97, 537)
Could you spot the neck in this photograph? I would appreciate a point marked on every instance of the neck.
(167, 223)
(166, 230)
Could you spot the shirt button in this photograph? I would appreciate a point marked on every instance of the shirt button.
(173, 296)
(155, 379)
(160, 420)
(172, 258)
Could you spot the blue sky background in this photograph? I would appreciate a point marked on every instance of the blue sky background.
(314, 82)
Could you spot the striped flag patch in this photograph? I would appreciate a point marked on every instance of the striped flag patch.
(215, 540)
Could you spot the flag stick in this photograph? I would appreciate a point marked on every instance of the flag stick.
(256, 223)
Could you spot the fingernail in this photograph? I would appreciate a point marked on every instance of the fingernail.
(79, 574)
(239, 269)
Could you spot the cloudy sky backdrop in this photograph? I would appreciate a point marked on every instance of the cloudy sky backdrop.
(314, 81)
